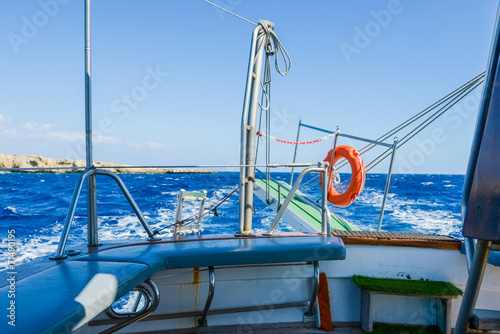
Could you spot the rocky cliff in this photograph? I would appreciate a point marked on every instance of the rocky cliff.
(35, 161)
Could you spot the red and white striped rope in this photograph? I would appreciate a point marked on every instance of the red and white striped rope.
(262, 134)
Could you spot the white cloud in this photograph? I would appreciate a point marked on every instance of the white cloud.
(35, 127)
(9, 132)
(155, 146)
(51, 132)
(4, 119)
(101, 139)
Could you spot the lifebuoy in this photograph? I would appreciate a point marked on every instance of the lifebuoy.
(358, 176)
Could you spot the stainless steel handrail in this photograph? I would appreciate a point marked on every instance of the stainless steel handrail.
(325, 214)
(74, 200)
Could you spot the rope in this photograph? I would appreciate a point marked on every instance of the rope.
(211, 209)
(273, 47)
(263, 134)
(227, 11)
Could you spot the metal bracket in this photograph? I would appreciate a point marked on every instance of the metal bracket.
(309, 314)
(202, 321)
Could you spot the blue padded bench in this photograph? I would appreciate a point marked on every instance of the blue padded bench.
(493, 258)
(224, 252)
(59, 298)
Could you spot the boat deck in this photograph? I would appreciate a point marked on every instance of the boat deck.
(277, 328)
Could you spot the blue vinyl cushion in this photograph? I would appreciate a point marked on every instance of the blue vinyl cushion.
(493, 258)
(225, 252)
(59, 298)
(68, 295)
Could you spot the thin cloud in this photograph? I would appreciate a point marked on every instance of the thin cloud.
(50, 132)
(156, 146)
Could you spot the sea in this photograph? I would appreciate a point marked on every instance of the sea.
(34, 207)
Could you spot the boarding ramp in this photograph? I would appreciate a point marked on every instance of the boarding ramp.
(303, 214)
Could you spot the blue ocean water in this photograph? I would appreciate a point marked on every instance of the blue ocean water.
(35, 206)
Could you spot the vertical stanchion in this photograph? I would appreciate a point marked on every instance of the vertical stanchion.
(91, 179)
(387, 183)
(295, 151)
(244, 129)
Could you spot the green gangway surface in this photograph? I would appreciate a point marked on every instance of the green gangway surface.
(308, 210)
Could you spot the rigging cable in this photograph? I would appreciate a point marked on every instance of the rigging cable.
(460, 90)
(227, 11)
(451, 100)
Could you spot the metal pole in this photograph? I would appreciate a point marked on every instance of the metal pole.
(469, 252)
(387, 183)
(70, 215)
(91, 180)
(244, 121)
(331, 166)
(473, 285)
(480, 125)
(483, 112)
(295, 152)
(326, 226)
(250, 129)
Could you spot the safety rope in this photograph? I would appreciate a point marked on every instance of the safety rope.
(263, 134)
(211, 209)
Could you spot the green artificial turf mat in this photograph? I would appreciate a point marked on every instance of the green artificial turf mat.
(406, 287)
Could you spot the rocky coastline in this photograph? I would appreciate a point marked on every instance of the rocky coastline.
(35, 161)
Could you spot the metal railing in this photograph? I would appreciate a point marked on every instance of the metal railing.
(74, 200)
(337, 133)
(325, 212)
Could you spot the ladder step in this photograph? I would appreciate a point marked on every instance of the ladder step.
(485, 320)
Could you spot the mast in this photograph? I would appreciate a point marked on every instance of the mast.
(248, 127)
(91, 179)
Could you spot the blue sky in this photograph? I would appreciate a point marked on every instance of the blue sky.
(169, 76)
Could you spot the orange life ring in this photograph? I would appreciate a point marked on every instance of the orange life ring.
(358, 176)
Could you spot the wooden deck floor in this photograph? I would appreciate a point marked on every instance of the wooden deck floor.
(279, 328)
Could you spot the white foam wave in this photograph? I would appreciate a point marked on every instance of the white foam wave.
(433, 222)
(10, 209)
(30, 248)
